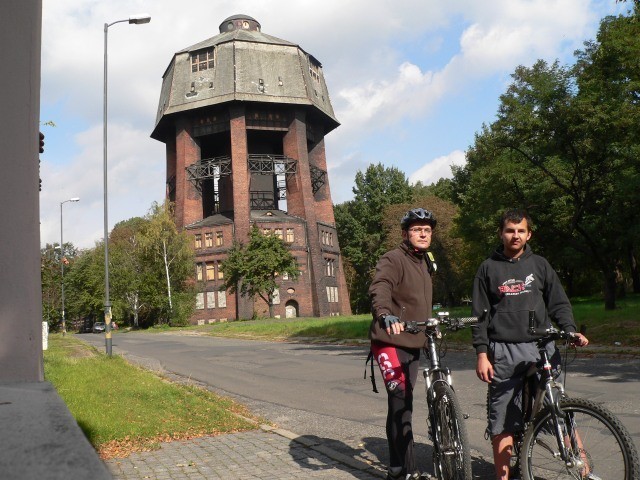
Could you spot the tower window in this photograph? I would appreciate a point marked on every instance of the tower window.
(199, 271)
(202, 60)
(210, 271)
(198, 240)
(208, 239)
(220, 271)
(314, 70)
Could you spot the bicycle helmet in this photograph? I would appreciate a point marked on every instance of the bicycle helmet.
(417, 215)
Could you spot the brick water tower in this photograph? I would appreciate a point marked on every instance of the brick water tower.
(243, 116)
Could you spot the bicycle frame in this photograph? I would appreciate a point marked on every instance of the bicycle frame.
(451, 455)
(550, 391)
(435, 372)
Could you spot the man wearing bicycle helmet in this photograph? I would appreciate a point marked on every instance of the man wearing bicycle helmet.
(401, 290)
(509, 284)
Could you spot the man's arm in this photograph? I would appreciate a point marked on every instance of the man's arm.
(479, 304)
(381, 293)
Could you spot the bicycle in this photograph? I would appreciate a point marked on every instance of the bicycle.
(565, 437)
(451, 454)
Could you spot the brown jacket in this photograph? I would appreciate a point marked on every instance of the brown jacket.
(401, 287)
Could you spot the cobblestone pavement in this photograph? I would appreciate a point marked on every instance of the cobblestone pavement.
(265, 453)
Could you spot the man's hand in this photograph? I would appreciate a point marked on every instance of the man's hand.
(579, 340)
(391, 324)
(484, 369)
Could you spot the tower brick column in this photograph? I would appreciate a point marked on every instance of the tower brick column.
(324, 211)
(240, 179)
(170, 149)
(188, 200)
(300, 202)
(324, 205)
(240, 172)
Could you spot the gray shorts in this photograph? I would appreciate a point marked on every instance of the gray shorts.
(504, 401)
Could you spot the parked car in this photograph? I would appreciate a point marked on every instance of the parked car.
(99, 327)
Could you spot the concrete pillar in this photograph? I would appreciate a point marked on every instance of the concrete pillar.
(20, 288)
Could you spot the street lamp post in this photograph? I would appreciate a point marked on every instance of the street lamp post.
(64, 324)
(137, 19)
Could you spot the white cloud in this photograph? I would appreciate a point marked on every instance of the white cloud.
(135, 179)
(438, 168)
(378, 58)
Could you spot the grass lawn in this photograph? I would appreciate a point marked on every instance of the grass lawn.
(604, 328)
(123, 408)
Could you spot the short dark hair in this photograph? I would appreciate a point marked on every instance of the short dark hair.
(515, 215)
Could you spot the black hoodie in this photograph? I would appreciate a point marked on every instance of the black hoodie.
(508, 289)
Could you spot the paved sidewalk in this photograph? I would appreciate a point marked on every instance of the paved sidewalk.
(266, 453)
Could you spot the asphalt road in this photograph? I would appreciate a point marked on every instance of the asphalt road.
(318, 391)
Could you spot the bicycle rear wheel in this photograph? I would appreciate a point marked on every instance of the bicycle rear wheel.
(451, 456)
(599, 446)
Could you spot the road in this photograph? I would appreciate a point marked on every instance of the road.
(318, 391)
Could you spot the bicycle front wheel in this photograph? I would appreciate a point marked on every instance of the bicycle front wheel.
(599, 447)
(451, 456)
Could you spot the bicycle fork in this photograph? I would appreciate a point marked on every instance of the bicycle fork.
(565, 435)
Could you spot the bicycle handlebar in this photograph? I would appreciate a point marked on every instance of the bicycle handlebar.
(550, 334)
(452, 323)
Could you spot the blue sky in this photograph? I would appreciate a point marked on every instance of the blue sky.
(411, 82)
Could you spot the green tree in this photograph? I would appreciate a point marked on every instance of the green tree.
(51, 284)
(133, 281)
(84, 285)
(51, 276)
(359, 226)
(150, 265)
(253, 269)
(171, 256)
(565, 147)
(442, 188)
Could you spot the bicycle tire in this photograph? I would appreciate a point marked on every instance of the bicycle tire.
(606, 449)
(451, 455)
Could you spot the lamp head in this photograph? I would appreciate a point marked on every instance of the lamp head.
(74, 199)
(140, 18)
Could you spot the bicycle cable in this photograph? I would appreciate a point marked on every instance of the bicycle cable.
(566, 362)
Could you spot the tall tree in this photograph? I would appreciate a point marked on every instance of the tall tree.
(85, 284)
(172, 254)
(253, 269)
(359, 226)
(133, 279)
(149, 260)
(565, 146)
(51, 257)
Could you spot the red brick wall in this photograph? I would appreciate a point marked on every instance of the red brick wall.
(213, 254)
(309, 290)
(323, 203)
(188, 201)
